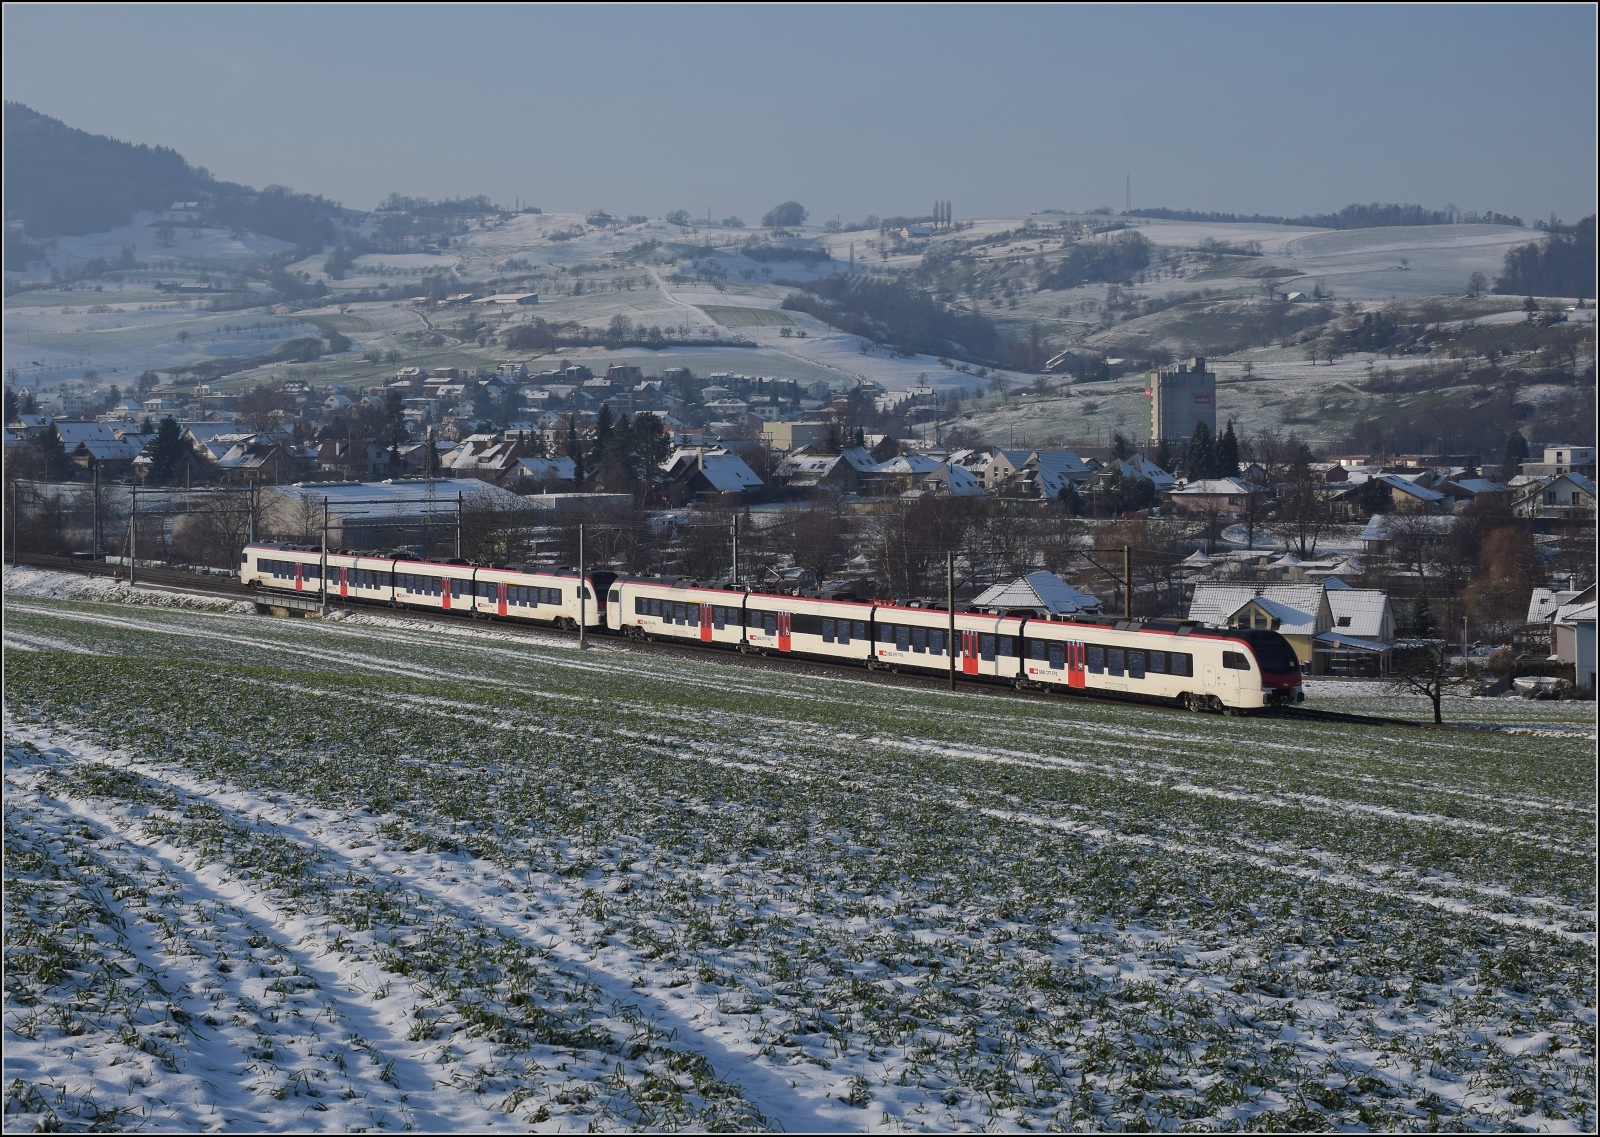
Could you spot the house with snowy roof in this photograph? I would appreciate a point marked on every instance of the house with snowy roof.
(702, 471)
(846, 471)
(949, 480)
(1041, 593)
(533, 474)
(1298, 612)
(1226, 497)
(1384, 529)
(1141, 467)
(1569, 496)
(1572, 638)
(1411, 496)
(1040, 474)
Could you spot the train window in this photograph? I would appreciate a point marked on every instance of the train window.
(919, 639)
(1058, 656)
(1235, 661)
(1158, 663)
(1096, 658)
(1008, 646)
(827, 630)
(769, 623)
(615, 597)
(902, 637)
(986, 647)
(860, 629)
(1114, 661)
(719, 617)
(694, 615)
(1037, 650)
(844, 631)
(1180, 663)
(1136, 665)
(936, 641)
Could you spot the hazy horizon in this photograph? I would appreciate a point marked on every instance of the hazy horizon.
(849, 110)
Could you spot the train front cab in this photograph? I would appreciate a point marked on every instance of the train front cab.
(1277, 675)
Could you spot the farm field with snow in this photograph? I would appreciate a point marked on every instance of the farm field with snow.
(372, 873)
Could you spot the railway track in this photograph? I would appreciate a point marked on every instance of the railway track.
(223, 586)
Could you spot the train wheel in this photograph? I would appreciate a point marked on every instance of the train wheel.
(1194, 702)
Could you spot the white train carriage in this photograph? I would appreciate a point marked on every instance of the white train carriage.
(287, 567)
(544, 597)
(678, 611)
(800, 625)
(433, 585)
(919, 639)
(361, 578)
(1163, 661)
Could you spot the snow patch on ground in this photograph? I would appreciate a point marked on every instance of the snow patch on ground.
(51, 585)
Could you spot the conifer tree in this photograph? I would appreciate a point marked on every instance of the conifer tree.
(1228, 453)
(1201, 460)
(168, 453)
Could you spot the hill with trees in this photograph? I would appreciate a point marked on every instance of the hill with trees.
(61, 181)
(1357, 216)
(1563, 264)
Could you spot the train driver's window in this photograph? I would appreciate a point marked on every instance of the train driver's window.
(1235, 661)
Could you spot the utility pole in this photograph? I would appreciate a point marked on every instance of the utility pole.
(950, 604)
(324, 605)
(735, 548)
(458, 525)
(583, 595)
(251, 489)
(1127, 582)
(16, 517)
(133, 533)
(94, 527)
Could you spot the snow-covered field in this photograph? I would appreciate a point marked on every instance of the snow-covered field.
(271, 874)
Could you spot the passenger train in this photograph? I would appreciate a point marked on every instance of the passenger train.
(1164, 661)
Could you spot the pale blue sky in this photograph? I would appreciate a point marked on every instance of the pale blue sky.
(851, 110)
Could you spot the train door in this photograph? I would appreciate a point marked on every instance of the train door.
(344, 583)
(444, 592)
(969, 653)
(500, 592)
(299, 577)
(785, 622)
(706, 625)
(1075, 672)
